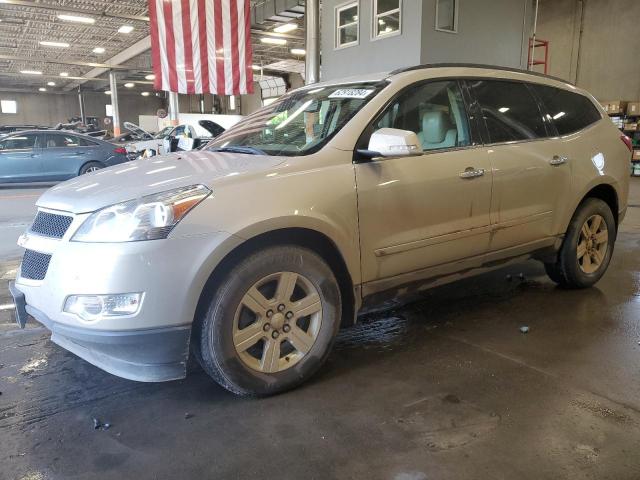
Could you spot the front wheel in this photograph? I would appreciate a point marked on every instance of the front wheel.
(270, 323)
(587, 247)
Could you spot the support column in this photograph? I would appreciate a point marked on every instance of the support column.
(174, 108)
(83, 116)
(312, 22)
(113, 86)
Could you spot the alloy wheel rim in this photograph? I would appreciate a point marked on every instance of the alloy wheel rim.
(277, 322)
(92, 169)
(592, 244)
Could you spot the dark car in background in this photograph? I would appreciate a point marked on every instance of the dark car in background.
(53, 155)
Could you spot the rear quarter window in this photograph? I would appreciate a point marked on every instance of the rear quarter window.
(569, 112)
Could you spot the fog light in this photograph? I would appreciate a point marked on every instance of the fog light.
(95, 307)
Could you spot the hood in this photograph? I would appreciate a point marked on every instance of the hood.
(131, 180)
(132, 127)
(212, 127)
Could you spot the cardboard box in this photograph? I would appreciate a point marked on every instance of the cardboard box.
(633, 109)
(630, 127)
(636, 154)
(617, 107)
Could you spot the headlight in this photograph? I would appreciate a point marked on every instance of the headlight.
(148, 218)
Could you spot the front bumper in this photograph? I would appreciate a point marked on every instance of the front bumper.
(151, 345)
(153, 355)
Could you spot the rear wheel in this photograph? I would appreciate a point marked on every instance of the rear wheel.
(91, 167)
(587, 247)
(271, 322)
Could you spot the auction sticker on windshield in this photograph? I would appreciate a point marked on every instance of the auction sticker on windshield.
(351, 93)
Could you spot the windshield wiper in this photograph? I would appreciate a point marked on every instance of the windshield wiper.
(238, 149)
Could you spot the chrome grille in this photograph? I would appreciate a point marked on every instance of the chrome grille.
(34, 265)
(51, 224)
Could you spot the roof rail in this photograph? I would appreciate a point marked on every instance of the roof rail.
(476, 65)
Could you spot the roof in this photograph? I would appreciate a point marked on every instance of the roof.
(476, 65)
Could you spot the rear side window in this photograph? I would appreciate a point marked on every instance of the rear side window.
(568, 111)
(509, 110)
(61, 140)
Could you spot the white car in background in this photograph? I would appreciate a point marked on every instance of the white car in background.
(139, 142)
(170, 139)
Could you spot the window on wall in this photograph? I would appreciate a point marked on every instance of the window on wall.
(387, 17)
(347, 25)
(447, 15)
(8, 106)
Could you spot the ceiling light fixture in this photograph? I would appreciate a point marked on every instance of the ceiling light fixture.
(298, 51)
(76, 18)
(129, 85)
(98, 50)
(125, 29)
(42, 89)
(287, 27)
(145, 94)
(273, 41)
(151, 76)
(51, 84)
(107, 92)
(31, 72)
(64, 74)
(256, 67)
(47, 43)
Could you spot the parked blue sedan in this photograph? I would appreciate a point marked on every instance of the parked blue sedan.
(53, 155)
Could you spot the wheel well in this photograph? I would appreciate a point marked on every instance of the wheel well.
(87, 163)
(607, 194)
(302, 237)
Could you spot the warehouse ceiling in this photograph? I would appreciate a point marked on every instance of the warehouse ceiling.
(80, 48)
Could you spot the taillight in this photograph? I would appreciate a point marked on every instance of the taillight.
(121, 150)
(627, 141)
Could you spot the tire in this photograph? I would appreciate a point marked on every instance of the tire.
(90, 167)
(553, 272)
(585, 253)
(242, 363)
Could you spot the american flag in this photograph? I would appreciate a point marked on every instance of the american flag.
(201, 46)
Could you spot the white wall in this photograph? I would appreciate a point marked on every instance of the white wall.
(51, 108)
(603, 60)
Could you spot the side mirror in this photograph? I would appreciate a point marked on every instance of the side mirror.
(393, 142)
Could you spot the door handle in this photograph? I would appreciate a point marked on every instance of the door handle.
(558, 160)
(471, 172)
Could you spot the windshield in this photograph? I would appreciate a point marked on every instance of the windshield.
(298, 123)
(164, 132)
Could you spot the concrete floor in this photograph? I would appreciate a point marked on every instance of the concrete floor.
(447, 388)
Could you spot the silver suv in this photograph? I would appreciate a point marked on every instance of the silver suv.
(253, 252)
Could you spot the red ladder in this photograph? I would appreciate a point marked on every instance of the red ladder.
(534, 45)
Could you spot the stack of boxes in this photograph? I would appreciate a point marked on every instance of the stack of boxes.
(626, 116)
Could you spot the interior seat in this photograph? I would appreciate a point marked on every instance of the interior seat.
(437, 131)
